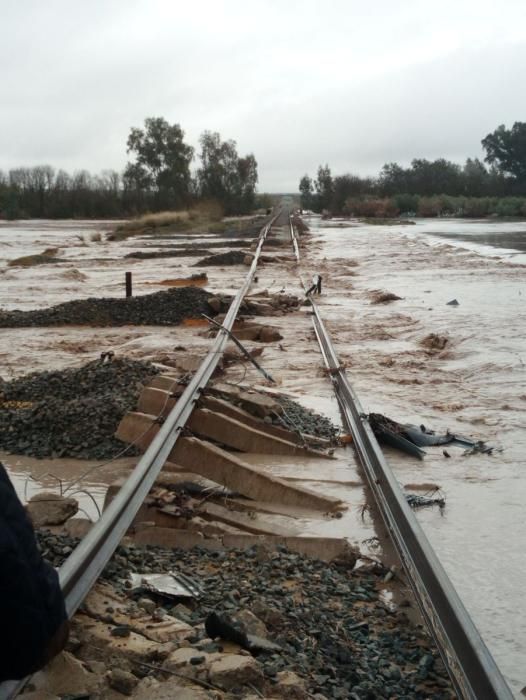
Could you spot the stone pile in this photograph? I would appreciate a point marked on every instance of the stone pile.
(297, 417)
(232, 257)
(166, 308)
(337, 637)
(71, 412)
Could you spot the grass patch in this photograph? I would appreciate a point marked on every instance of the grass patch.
(203, 214)
(380, 221)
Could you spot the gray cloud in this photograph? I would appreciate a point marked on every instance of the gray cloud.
(297, 83)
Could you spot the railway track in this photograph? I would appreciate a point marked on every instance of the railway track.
(85, 564)
(471, 667)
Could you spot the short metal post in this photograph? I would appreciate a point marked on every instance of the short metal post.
(129, 284)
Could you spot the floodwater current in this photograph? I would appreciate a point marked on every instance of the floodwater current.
(474, 386)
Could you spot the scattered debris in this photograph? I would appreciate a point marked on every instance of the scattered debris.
(410, 438)
(171, 584)
(453, 302)
(418, 501)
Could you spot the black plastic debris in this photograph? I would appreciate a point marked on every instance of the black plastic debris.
(417, 501)
(223, 626)
(411, 438)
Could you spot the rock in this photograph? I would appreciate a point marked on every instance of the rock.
(147, 604)
(268, 334)
(453, 302)
(215, 304)
(233, 671)
(77, 527)
(269, 615)
(290, 685)
(51, 509)
(122, 681)
(251, 623)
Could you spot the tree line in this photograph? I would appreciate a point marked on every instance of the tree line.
(157, 177)
(431, 188)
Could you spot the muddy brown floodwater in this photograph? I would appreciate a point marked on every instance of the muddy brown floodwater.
(474, 386)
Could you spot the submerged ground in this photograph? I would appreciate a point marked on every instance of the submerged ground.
(472, 382)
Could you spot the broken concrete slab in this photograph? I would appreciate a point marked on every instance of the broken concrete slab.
(100, 642)
(65, 675)
(324, 548)
(256, 525)
(214, 463)
(156, 402)
(234, 671)
(138, 428)
(255, 402)
(165, 381)
(152, 689)
(104, 595)
(219, 405)
(239, 436)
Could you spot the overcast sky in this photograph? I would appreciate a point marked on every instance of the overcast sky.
(351, 83)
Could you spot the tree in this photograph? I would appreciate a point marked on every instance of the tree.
(306, 192)
(476, 178)
(506, 149)
(394, 179)
(435, 177)
(224, 176)
(324, 187)
(162, 162)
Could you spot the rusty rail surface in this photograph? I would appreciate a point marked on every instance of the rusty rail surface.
(85, 564)
(470, 665)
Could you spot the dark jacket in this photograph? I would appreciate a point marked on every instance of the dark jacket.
(31, 602)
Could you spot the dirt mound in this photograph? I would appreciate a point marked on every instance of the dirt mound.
(434, 342)
(233, 257)
(186, 252)
(74, 275)
(30, 260)
(165, 308)
(72, 412)
(381, 297)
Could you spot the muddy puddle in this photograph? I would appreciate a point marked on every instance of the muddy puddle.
(474, 384)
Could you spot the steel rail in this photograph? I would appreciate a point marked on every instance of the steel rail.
(470, 665)
(87, 561)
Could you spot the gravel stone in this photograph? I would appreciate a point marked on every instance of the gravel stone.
(72, 412)
(166, 308)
